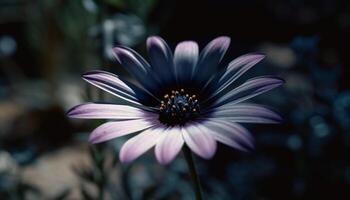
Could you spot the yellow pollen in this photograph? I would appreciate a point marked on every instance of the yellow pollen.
(178, 107)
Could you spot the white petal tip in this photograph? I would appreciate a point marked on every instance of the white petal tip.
(120, 53)
(223, 40)
(93, 141)
(154, 40)
(124, 160)
(163, 162)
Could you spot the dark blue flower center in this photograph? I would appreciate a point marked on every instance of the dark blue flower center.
(178, 108)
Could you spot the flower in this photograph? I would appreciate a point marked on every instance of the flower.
(181, 99)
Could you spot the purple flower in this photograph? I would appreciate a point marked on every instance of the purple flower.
(181, 99)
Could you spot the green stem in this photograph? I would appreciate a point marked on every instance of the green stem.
(193, 173)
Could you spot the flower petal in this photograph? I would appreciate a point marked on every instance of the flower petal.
(236, 69)
(139, 144)
(161, 58)
(246, 113)
(169, 146)
(112, 84)
(116, 129)
(199, 141)
(231, 134)
(131, 59)
(210, 58)
(249, 89)
(185, 59)
(108, 111)
(136, 66)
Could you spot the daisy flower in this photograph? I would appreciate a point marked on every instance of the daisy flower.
(179, 99)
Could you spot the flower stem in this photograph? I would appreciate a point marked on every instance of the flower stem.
(193, 173)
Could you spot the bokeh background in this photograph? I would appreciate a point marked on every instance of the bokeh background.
(45, 45)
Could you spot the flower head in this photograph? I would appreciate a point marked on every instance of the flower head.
(181, 99)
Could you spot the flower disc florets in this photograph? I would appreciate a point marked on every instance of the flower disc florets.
(178, 108)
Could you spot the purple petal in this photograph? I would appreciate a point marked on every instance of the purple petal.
(236, 69)
(108, 111)
(116, 129)
(161, 58)
(185, 59)
(246, 113)
(249, 89)
(139, 144)
(240, 65)
(231, 134)
(199, 141)
(210, 58)
(111, 84)
(131, 58)
(136, 66)
(169, 146)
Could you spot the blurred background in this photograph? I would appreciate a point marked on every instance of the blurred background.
(45, 45)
